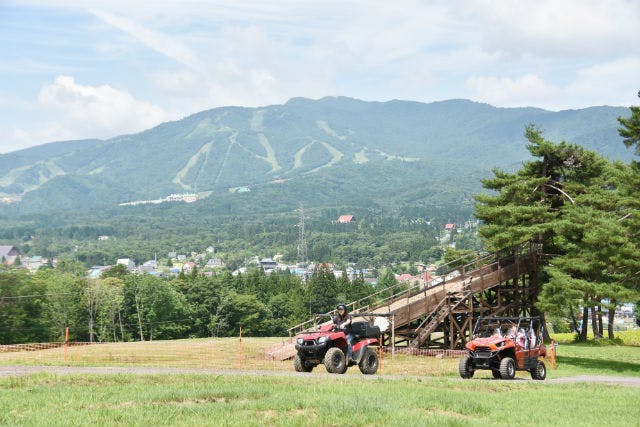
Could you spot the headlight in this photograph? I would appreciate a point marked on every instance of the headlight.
(322, 339)
(300, 341)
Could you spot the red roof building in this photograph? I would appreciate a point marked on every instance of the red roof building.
(346, 219)
(449, 226)
(406, 277)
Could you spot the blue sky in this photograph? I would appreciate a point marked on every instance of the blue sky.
(75, 69)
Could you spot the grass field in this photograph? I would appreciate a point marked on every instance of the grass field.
(314, 400)
(413, 390)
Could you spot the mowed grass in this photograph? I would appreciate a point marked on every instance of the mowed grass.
(349, 400)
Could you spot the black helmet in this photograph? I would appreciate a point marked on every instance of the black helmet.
(342, 306)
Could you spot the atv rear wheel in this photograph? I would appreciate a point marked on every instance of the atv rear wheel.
(465, 367)
(507, 368)
(539, 372)
(335, 361)
(300, 365)
(496, 374)
(369, 363)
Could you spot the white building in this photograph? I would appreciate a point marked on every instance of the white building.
(127, 263)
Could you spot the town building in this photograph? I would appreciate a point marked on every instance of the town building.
(9, 254)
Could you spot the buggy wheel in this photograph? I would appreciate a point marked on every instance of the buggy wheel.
(507, 368)
(301, 365)
(335, 361)
(496, 374)
(465, 367)
(539, 372)
(369, 363)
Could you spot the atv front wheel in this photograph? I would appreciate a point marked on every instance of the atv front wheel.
(465, 367)
(369, 363)
(507, 368)
(539, 372)
(335, 361)
(300, 365)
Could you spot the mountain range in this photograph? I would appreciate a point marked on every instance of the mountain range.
(326, 151)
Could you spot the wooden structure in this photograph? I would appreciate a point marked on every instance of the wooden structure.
(442, 312)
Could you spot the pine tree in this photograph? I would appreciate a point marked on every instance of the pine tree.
(584, 210)
(630, 129)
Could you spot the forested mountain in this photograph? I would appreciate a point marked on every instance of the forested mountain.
(321, 152)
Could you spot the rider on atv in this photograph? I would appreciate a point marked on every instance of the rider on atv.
(343, 321)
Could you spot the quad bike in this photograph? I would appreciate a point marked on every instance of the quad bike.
(328, 346)
(505, 345)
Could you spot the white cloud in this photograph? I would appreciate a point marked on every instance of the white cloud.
(95, 111)
(611, 83)
(559, 28)
(527, 90)
(615, 83)
(155, 40)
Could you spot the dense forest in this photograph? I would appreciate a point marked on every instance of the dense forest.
(122, 306)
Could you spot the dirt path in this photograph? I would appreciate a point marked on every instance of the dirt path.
(6, 371)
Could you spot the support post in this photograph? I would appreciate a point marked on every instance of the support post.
(393, 336)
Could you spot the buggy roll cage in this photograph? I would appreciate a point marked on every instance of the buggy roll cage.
(525, 322)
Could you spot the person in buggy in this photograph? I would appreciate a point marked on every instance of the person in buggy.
(343, 321)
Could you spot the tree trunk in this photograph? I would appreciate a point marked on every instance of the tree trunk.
(121, 327)
(612, 315)
(584, 326)
(594, 323)
(139, 317)
(573, 319)
(600, 327)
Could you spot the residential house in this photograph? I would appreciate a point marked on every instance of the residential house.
(268, 265)
(214, 263)
(9, 254)
(150, 266)
(96, 271)
(346, 219)
(406, 277)
(33, 263)
(449, 226)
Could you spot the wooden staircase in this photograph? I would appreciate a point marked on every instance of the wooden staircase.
(438, 315)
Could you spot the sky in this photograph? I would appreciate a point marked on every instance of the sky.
(76, 69)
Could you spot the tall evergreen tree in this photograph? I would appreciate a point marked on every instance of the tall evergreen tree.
(570, 200)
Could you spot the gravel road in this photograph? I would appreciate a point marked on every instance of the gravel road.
(6, 371)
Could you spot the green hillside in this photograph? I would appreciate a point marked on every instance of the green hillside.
(328, 149)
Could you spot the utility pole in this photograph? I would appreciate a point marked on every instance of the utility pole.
(302, 239)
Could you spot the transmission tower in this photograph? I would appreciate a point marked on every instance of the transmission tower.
(302, 239)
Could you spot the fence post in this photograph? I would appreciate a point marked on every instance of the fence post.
(66, 343)
(240, 350)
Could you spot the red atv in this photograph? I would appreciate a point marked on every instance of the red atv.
(329, 346)
(505, 345)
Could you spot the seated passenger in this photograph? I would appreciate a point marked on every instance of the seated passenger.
(532, 338)
(520, 338)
